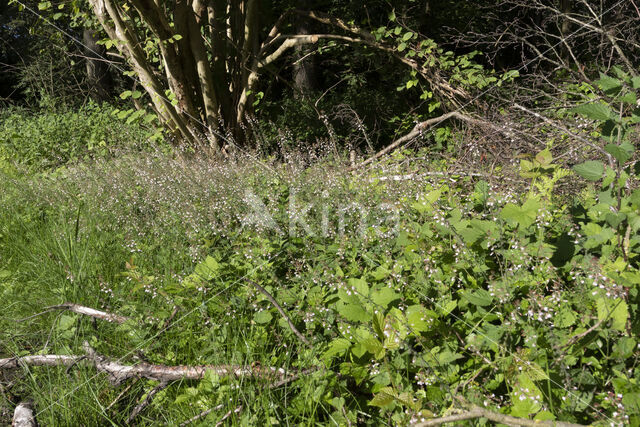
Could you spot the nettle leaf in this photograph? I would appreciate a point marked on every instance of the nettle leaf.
(614, 309)
(352, 311)
(595, 111)
(426, 203)
(565, 318)
(385, 397)
(609, 85)
(338, 347)
(479, 297)
(383, 296)
(544, 158)
(624, 347)
(591, 170)
(207, 269)
(619, 152)
(526, 397)
(359, 285)
(524, 216)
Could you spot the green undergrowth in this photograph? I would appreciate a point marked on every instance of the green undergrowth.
(446, 295)
(419, 296)
(48, 140)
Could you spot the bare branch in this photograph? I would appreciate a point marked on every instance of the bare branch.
(418, 130)
(201, 415)
(478, 412)
(280, 309)
(146, 401)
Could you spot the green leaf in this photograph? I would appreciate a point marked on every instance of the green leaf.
(564, 318)
(207, 269)
(338, 347)
(624, 347)
(524, 216)
(359, 285)
(383, 296)
(591, 170)
(407, 36)
(616, 310)
(618, 152)
(479, 297)
(402, 46)
(609, 85)
(544, 158)
(352, 311)
(44, 5)
(385, 397)
(262, 317)
(417, 318)
(126, 94)
(595, 111)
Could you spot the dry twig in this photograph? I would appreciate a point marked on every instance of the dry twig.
(201, 415)
(146, 400)
(281, 310)
(477, 412)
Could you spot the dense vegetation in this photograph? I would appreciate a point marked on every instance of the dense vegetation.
(483, 268)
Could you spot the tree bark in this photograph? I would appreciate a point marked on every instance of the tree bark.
(305, 67)
(98, 77)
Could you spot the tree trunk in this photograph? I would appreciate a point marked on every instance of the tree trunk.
(98, 77)
(305, 67)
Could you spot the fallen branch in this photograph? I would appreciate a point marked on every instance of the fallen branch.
(122, 393)
(478, 412)
(146, 401)
(201, 415)
(119, 373)
(80, 309)
(227, 415)
(23, 415)
(280, 309)
(568, 133)
(579, 336)
(418, 130)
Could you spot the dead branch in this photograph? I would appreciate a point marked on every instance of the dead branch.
(122, 393)
(23, 415)
(568, 132)
(146, 400)
(477, 412)
(280, 309)
(418, 130)
(201, 415)
(119, 373)
(579, 336)
(88, 311)
(227, 415)
(293, 378)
